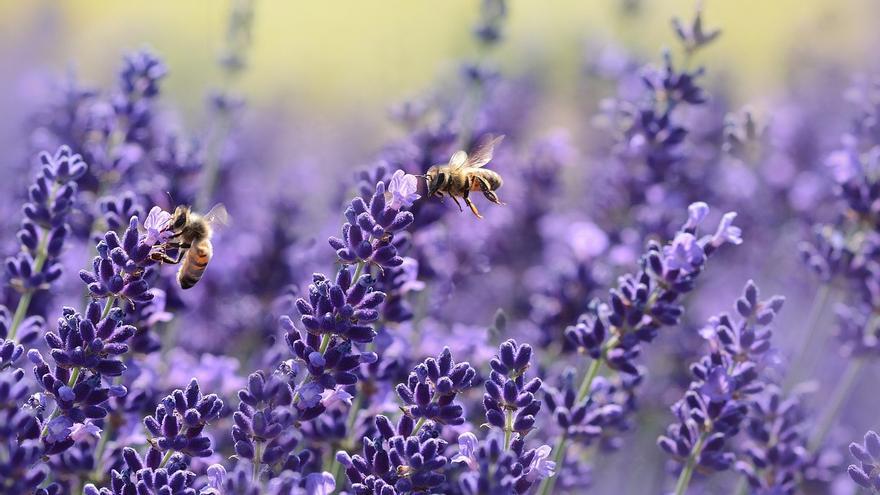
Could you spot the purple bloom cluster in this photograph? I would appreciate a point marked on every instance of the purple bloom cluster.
(776, 452)
(725, 382)
(431, 388)
(868, 454)
(646, 301)
(511, 407)
(368, 231)
(118, 270)
(42, 234)
(527, 352)
(180, 419)
(510, 401)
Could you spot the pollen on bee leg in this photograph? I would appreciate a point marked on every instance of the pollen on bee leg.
(473, 208)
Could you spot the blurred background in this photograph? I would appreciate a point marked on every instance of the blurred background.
(325, 92)
(351, 62)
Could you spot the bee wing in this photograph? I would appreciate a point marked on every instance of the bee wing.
(484, 151)
(458, 160)
(217, 216)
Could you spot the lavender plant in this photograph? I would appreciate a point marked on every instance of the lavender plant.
(714, 408)
(612, 333)
(431, 352)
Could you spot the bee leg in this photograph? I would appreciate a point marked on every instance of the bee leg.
(160, 256)
(491, 196)
(488, 192)
(457, 203)
(467, 199)
(164, 258)
(473, 207)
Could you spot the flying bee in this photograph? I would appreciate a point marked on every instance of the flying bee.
(191, 237)
(464, 174)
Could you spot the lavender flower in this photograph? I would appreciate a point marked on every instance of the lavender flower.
(397, 462)
(867, 472)
(509, 400)
(263, 423)
(85, 349)
(91, 342)
(717, 401)
(44, 228)
(612, 333)
(776, 450)
(116, 211)
(431, 389)
(494, 469)
(148, 475)
(510, 406)
(645, 301)
(345, 307)
(180, 419)
(693, 37)
(367, 233)
(118, 270)
(402, 190)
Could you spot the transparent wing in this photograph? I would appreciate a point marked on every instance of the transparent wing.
(483, 153)
(217, 216)
(459, 158)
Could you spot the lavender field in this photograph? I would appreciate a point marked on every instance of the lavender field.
(645, 268)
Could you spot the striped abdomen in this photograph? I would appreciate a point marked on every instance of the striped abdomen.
(485, 180)
(194, 264)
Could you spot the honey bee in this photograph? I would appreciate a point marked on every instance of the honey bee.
(191, 237)
(464, 173)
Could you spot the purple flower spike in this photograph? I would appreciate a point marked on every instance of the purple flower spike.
(44, 228)
(432, 387)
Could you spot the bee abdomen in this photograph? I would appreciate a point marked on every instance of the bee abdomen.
(194, 264)
(486, 180)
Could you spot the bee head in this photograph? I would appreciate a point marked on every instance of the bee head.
(435, 179)
(180, 218)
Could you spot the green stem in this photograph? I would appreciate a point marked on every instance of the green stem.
(817, 309)
(508, 428)
(584, 390)
(358, 270)
(587, 383)
(258, 455)
(684, 479)
(111, 301)
(20, 313)
(325, 342)
(841, 393)
(166, 457)
(418, 426)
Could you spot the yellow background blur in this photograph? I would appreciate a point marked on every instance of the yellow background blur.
(355, 57)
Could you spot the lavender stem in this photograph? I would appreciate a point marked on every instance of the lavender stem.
(42, 255)
(817, 309)
(841, 394)
(548, 483)
(684, 479)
